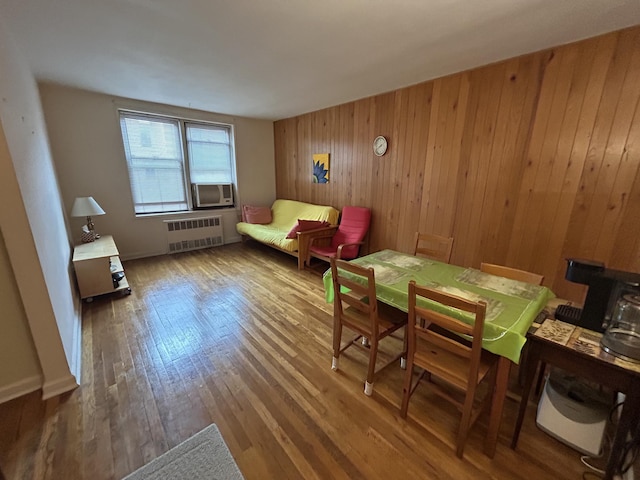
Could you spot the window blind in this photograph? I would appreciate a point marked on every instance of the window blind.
(209, 152)
(156, 166)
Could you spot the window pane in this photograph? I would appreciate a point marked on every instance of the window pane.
(154, 157)
(208, 133)
(209, 151)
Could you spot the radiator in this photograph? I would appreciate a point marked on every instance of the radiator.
(194, 233)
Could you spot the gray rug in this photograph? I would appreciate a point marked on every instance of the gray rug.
(204, 456)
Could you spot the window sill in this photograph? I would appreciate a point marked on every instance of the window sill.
(187, 213)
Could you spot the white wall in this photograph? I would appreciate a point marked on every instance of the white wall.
(34, 227)
(19, 366)
(86, 144)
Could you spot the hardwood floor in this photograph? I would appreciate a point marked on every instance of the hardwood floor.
(237, 336)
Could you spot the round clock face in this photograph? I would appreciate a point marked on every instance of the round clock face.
(380, 146)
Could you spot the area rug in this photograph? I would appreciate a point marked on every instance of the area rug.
(204, 456)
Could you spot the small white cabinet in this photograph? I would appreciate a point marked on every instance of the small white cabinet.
(96, 263)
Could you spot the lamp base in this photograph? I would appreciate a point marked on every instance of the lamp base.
(88, 236)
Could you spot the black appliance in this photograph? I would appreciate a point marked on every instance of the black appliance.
(606, 286)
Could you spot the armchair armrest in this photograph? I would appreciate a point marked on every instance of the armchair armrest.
(342, 245)
(306, 238)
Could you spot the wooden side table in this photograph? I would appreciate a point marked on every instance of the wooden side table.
(95, 264)
(586, 359)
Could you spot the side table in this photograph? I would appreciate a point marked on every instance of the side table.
(98, 266)
(576, 351)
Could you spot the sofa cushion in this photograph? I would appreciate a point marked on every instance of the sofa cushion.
(306, 225)
(257, 215)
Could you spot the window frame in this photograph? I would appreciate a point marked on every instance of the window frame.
(186, 161)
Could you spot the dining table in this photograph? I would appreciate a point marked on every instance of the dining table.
(512, 307)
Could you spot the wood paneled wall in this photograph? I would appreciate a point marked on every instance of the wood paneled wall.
(525, 162)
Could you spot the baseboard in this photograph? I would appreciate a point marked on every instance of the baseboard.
(76, 355)
(19, 388)
(58, 386)
(137, 255)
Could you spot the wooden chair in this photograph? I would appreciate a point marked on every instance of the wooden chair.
(370, 319)
(512, 273)
(345, 242)
(522, 276)
(460, 364)
(433, 246)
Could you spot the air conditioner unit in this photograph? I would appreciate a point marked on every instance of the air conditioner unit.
(212, 194)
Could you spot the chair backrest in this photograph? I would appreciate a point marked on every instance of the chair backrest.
(512, 273)
(424, 330)
(354, 225)
(433, 246)
(361, 296)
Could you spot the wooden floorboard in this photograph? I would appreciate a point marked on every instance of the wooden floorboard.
(237, 336)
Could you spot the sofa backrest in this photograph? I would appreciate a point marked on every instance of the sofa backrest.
(285, 213)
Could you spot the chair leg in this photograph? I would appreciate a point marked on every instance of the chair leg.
(490, 396)
(406, 388)
(465, 422)
(403, 357)
(337, 338)
(373, 353)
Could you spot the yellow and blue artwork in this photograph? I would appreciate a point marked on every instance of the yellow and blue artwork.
(320, 168)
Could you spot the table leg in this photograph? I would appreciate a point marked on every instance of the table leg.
(626, 423)
(499, 394)
(532, 365)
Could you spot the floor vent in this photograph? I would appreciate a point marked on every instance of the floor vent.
(194, 233)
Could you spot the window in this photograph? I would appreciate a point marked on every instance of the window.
(165, 155)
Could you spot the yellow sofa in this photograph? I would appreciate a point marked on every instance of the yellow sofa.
(285, 214)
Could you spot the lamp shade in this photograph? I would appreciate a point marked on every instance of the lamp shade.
(86, 207)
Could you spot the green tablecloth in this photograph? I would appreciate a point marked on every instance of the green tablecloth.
(512, 306)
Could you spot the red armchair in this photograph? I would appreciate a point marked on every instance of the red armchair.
(346, 240)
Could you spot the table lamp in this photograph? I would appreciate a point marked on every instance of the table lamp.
(86, 207)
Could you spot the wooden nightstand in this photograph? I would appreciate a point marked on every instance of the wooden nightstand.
(96, 263)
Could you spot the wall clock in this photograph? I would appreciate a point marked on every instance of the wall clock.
(380, 146)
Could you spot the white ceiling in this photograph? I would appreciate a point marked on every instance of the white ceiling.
(274, 59)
